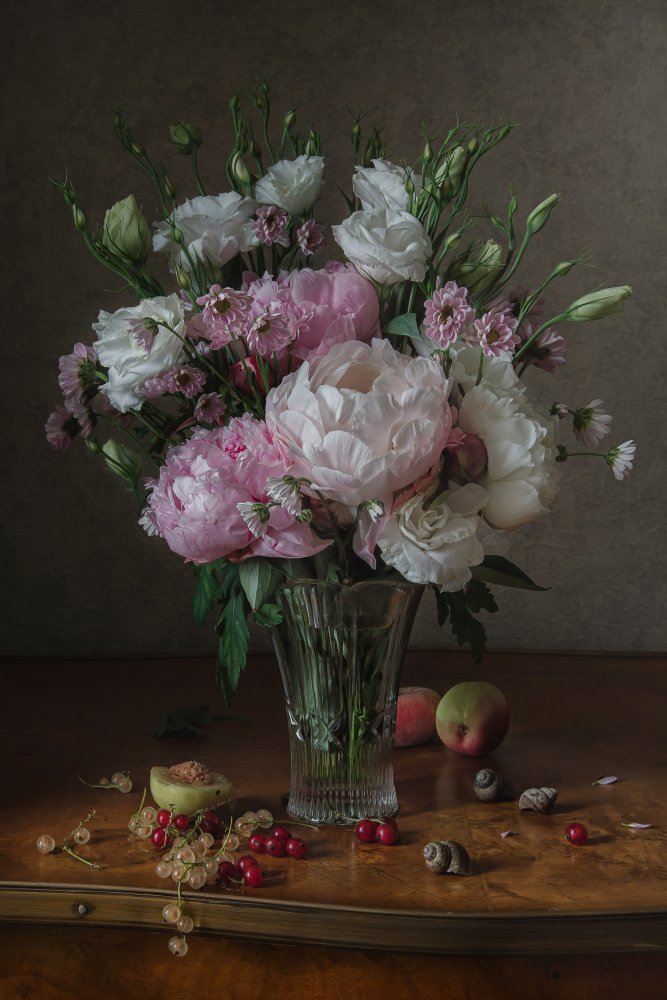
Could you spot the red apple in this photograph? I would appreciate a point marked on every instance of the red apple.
(472, 718)
(415, 716)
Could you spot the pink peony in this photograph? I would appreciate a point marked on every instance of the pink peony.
(194, 503)
(361, 423)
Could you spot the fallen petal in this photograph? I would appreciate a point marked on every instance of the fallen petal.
(638, 826)
(507, 833)
(612, 779)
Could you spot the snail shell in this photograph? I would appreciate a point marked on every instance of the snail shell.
(447, 857)
(488, 786)
(540, 800)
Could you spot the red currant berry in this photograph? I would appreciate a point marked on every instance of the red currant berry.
(253, 876)
(275, 846)
(386, 834)
(212, 819)
(181, 822)
(365, 830)
(257, 843)
(247, 861)
(281, 832)
(226, 871)
(391, 821)
(296, 848)
(160, 838)
(576, 833)
(164, 817)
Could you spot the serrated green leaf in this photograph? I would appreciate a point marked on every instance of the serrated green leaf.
(467, 629)
(206, 592)
(258, 578)
(232, 628)
(478, 597)
(404, 326)
(268, 614)
(498, 570)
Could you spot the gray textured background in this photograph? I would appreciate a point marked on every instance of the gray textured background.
(586, 80)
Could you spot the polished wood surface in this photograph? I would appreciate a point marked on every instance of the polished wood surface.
(574, 718)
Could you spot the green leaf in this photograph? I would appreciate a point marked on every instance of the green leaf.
(268, 614)
(478, 597)
(404, 326)
(467, 629)
(498, 570)
(258, 579)
(232, 628)
(206, 591)
(184, 720)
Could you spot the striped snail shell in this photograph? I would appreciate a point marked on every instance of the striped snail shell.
(540, 800)
(447, 857)
(488, 786)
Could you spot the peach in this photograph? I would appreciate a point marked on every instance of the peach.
(415, 716)
(472, 718)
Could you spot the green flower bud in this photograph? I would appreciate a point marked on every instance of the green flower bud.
(126, 232)
(93, 445)
(595, 305)
(564, 268)
(427, 154)
(185, 137)
(479, 271)
(355, 134)
(176, 235)
(80, 220)
(169, 188)
(289, 119)
(450, 169)
(540, 215)
(123, 462)
(137, 150)
(182, 278)
(312, 147)
(473, 146)
(450, 242)
(240, 171)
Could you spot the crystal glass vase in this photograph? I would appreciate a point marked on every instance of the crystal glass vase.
(340, 650)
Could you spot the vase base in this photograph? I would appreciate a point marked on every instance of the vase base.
(337, 807)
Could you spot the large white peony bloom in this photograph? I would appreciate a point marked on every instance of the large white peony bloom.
(384, 245)
(383, 186)
(362, 422)
(215, 228)
(134, 349)
(434, 539)
(291, 184)
(521, 476)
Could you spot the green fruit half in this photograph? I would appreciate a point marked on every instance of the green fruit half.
(185, 797)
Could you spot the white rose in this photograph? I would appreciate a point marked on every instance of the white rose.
(522, 476)
(291, 184)
(215, 228)
(385, 246)
(133, 351)
(434, 540)
(362, 422)
(383, 186)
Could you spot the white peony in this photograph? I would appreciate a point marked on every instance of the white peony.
(383, 186)
(434, 539)
(291, 184)
(384, 245)
(134, 350)
(521, 476)
(362, 422)
(215, 228)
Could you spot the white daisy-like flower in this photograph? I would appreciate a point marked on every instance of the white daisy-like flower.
(256, 516)
(591, 423)
(286, 491)
(620, 459)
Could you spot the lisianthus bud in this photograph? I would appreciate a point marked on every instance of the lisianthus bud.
(80, 220)
(564, 268)
(450, 170)
(126, 231)
(465, 457)
(122, 461)
(473, 146)
(427, 154)
(540, 215)
(289, 119)
(137, 150)
(182, 278)
(185, 137)
(312, 147)
(478, 272)
(240, 171)
(169, 188)
(595, 305)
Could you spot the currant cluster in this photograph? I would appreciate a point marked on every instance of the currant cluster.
(80, 835)
(384, 831)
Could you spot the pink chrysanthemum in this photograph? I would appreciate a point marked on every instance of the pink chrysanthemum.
(620, 459)
(548, 351)
(446, 314)
(591, 423)
(224, 316)
(210, 409)
(310, 237)
(495, 333)
(269, 332)
(78, 379)
(67, 421)
(185, 379)
(271, 226)
(143, 331)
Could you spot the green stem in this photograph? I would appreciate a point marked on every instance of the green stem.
(195, 171)
(531, 340)
(480, 368)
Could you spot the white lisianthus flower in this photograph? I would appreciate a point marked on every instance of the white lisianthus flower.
(521, 476)
(291, 184)
(383, 186)
(498, 372)
(134, 348)
(434, 539)
(384, 245)
(215, 228)
(361, 423)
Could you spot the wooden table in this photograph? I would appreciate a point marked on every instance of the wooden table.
(537, 918)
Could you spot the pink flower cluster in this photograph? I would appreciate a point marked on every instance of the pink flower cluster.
(194, 505)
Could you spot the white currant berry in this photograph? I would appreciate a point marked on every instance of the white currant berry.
(104, 781)
(81, 835)
(163, 869)
(118, 778)
(125, 786)
(251, 819)
(265, 818)
(143, 832)
(232, 842)
(45, 844)
(211, 866)
(178, 946)
(148, 815)
(206, 840)
(186, 855)
(134, 824)
(197, 878)
(171, 913)
(185, 924)
(177, 870)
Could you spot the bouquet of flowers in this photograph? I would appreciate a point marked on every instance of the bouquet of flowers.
(280, 414)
